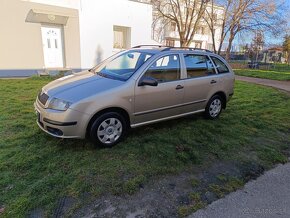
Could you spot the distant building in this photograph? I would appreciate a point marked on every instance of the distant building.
(39, 35)
(274, 55)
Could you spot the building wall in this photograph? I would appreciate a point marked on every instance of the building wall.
(88, 34)
(21, 42)
(97, 19)
(74, 4)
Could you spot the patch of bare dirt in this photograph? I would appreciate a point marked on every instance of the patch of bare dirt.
(163, 197)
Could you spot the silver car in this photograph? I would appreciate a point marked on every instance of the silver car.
(136, 87)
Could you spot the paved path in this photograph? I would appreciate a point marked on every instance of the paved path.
(14, 77)
(266, 197)
(284, 85)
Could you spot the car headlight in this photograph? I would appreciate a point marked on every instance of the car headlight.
(58, 104)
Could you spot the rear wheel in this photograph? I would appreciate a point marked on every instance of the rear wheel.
(214, 107)
(108, 129)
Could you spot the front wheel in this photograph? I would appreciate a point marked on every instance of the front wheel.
(108, 129)
(214, 107)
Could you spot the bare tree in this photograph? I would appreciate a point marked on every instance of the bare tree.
(217, 21)
(243, 16)
(186, 14)
(258, 43)
(286, 48)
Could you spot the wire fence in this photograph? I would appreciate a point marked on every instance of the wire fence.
(242, 61)
(243, 64)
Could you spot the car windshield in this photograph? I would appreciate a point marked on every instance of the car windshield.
(123, 66)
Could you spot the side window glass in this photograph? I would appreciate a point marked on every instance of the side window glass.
(165, 69)
(221, 67)
(198, 66)
(210, 66)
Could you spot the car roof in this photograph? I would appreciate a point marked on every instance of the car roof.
(154, 49)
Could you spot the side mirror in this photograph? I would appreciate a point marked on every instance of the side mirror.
(130, 56)
(148, 81)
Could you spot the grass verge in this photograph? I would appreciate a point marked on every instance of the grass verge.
(265, 74)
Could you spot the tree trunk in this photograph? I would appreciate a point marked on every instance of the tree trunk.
(229, 48)
(182, 40)
(183, 43)
(228, 51)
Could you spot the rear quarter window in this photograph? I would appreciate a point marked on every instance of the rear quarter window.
(220, 65)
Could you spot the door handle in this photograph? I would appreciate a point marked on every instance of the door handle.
(179, 87)
(213, 82)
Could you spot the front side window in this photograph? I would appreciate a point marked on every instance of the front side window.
(123, 66)
(221, 67)
(198, 66)
(165, 69)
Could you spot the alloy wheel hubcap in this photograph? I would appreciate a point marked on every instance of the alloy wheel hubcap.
(215, 108)
(110, 130)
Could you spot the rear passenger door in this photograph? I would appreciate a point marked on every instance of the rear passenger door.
(200, 83)
(164, 100)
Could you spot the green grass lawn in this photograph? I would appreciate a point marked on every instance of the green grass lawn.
(37, 170)
(266, 74)
(281, 67)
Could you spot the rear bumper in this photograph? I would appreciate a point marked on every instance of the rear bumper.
(61, 124)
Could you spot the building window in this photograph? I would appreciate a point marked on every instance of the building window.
(170, 42)
(172, 26)
(122, 37)
(200, 30)
(48, 43)
(215, 17)
(210, 46)
(197, 44)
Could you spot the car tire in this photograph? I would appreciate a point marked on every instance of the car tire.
(108, 129)
(214, 107)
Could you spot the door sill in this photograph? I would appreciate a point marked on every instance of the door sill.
(165, 118)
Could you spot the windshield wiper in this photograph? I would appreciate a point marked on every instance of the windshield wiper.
(109, 76)
(91, 70)
(103, 75)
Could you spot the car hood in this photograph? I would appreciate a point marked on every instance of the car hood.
(79, 86)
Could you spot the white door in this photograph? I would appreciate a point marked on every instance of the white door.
(52, 47)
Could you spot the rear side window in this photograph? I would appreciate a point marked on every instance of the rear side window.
(165, 69)
(198, 66)
(221, 67)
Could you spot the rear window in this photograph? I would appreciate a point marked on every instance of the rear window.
(221, 67)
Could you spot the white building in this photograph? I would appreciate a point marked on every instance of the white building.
(68, 34)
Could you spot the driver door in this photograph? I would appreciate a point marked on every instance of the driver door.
(154, 103)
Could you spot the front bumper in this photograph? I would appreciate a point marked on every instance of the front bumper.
(61, 124)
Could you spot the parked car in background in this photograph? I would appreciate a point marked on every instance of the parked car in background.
(136, 87)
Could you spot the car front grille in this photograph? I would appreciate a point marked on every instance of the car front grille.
(42, 97)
